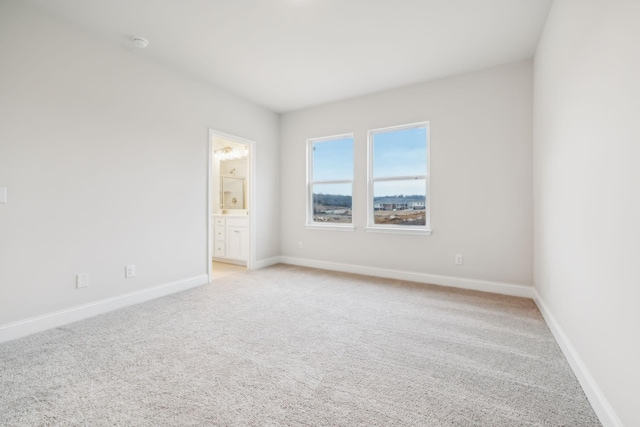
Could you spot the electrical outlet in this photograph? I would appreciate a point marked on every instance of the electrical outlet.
(458, 259)
(300, 244)
(129, 271)
(82, 281)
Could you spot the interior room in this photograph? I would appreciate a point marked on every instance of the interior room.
(230, 205)
(319, 212)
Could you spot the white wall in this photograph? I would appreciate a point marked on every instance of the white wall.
(104, 154)
(222, 168)
(240, 166)
(481, 189)
(587, 180)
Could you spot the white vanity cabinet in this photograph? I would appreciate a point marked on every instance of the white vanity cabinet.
(219, 237)
(231, 237)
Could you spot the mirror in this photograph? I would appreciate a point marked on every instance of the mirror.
(232, 194)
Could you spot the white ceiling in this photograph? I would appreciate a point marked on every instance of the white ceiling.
(292, 54)
(219, 143)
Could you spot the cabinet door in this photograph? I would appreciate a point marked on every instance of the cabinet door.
(244, 244)
(238, 243)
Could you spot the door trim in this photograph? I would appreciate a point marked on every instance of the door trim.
(251, 158)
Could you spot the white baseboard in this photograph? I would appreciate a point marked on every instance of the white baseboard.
(600, 404)
(266, 262)
(53, 320)
(454, 282)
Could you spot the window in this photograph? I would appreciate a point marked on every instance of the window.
(398, 184)
(330, 182)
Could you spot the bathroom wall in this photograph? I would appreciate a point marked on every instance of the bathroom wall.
(240, 166)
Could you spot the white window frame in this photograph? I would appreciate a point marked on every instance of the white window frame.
(391, 228)
(310, 224)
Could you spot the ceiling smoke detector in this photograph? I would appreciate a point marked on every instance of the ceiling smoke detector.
(140, 42)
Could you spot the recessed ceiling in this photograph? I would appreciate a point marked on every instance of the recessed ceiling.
(292, 54)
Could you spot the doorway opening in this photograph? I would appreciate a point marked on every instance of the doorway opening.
(231, 206)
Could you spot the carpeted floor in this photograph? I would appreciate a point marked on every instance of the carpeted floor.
(296, 346)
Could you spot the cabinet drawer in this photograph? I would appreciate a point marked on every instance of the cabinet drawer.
(219, 221)
(219, 249)
(220, 233)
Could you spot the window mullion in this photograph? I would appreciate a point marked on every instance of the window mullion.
(400, 178)
(339, 181)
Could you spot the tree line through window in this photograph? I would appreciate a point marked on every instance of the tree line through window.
(398, 179)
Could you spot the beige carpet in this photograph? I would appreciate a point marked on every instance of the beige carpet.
(296, 346)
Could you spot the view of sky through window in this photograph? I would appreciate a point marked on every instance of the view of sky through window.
(400, 153)
(399, 177)
(333, 160)
(396, 153)
(331, 201)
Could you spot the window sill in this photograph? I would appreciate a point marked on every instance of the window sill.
(404, 230)
(330, 227)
